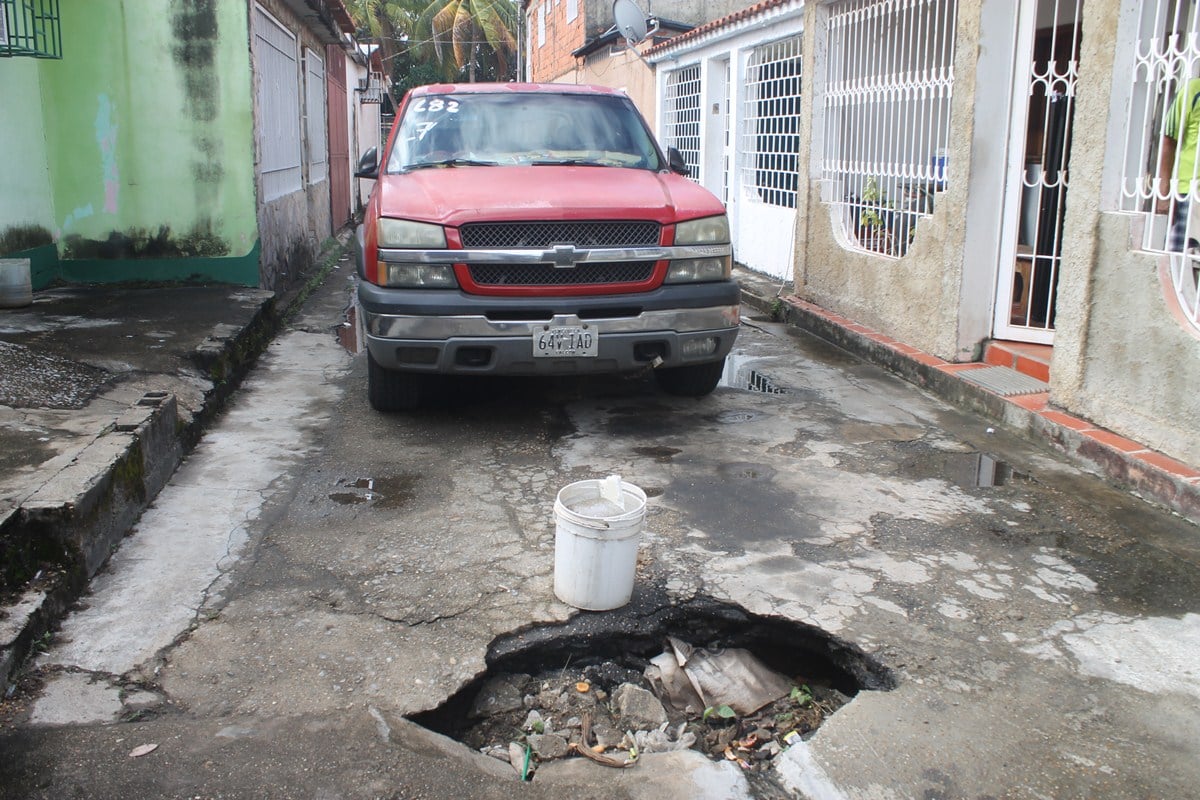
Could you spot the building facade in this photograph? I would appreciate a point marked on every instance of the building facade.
(194, 143)
(946, 191)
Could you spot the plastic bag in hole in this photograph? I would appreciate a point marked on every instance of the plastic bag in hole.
(663, 739)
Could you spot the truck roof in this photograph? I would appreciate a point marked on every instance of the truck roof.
(520, 88)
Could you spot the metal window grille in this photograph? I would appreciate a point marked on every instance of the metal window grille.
(682, 116)
(771, 122)
(889, 80)
(30, 28)
(315, 129)
(277, 87)
(726, 133)
(370, 89)
(1161, 172)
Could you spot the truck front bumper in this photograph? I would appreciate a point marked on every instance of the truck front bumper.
(452, 332)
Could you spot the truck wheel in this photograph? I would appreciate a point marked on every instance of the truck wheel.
(388, 390)
(695, 380)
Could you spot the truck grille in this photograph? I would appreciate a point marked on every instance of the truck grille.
(547, 275)
(546, 234)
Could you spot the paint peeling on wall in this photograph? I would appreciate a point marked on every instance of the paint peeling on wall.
(79, 213)
(106, 140)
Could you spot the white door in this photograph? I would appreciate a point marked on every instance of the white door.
(1039, 156)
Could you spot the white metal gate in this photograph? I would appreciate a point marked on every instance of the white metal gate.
(1038, 179)
(682, 116)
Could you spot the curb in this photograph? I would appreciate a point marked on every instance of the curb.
(123, 470)
(1130, 466)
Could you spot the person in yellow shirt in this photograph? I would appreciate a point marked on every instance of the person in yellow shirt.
(1177, 159)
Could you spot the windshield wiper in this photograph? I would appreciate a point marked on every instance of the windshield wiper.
(453, 162)
(571, 162)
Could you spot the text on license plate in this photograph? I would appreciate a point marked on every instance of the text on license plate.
(565, 341)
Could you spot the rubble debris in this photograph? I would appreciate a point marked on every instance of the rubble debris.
(499, 695)
(687, 698)
(724, 677)
(638, 707)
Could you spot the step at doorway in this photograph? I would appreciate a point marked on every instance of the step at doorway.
(1025, 357)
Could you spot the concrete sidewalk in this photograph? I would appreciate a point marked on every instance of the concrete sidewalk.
(998, 393)
(103, 391)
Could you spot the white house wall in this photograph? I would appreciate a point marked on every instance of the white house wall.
(364, 128)
(1123, 357)
(763, 234)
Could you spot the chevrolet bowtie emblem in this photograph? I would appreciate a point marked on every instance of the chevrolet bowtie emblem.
(562, 256)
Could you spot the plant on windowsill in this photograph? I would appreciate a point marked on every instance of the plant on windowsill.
(872, 231)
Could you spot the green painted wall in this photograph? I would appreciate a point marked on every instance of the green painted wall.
(24, 177)
(149, 130)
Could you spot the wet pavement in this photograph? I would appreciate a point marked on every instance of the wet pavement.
(1041, 627)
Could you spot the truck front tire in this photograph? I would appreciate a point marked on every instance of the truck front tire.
(694, 380)
(389, 390)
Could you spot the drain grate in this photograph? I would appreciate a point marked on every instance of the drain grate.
(758, 382)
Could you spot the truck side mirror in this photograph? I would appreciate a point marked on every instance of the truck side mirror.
(676, 162)
(368, 165)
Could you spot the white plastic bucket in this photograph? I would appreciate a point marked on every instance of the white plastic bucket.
(16, 291)
(596, 543)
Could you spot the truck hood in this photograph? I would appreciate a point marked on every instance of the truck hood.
(456, 195)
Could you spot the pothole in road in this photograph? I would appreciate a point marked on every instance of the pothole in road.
(613, 686)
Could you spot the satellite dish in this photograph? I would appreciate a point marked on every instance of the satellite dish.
(629, 20)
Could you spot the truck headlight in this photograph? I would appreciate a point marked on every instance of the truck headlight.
(698, 270)
(404, 233)
(710, 230)
(707, 231)
(417, 276)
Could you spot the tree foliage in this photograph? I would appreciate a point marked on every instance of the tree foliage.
(415, 35)
(475, 31)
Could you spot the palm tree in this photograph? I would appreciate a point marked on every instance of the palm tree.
(468, 25)
(391, 23)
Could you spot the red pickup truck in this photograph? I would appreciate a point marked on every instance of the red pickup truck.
(538, 229)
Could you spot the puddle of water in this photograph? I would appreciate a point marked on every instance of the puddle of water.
(736, 416)
(661, 454)
(740, 374)
(390, 492)
(347, 332)
(982, 471)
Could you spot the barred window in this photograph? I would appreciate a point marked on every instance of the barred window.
(681, 116)
(771, 129)
(314, 116)
(889, 81)
(1161, 171)
(277, 86)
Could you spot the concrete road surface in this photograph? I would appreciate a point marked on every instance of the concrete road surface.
(317, 571)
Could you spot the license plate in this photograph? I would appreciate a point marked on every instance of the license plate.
(565, 341)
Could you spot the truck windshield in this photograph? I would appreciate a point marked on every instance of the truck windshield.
(522, 128)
